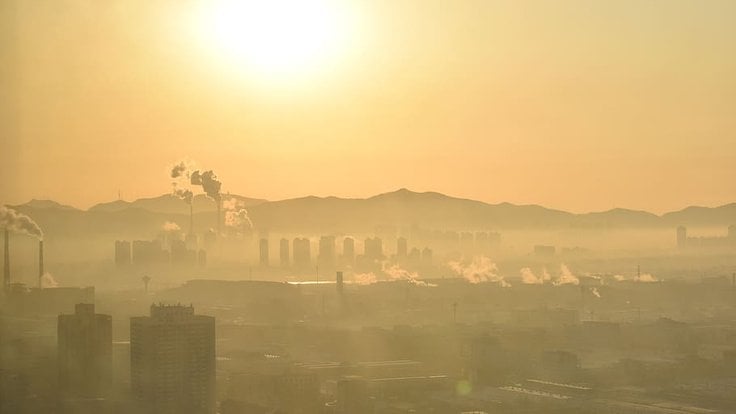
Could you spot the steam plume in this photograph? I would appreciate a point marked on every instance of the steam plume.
(181, 173)
(182, 169)
(209, 182)
(479, 269)
(566, 277)
(365, 278)
(48, 281)
(170, 226)
(19, 223)
(643, 278)
(528, 277)
(396, 272)
(595, 292)
(236, 216)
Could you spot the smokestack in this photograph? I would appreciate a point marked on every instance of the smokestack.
(191, 218)
(339, 282)
(40, 264)
(6, 263)
(219, 220)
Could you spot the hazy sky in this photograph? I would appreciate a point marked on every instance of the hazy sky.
(579, 105)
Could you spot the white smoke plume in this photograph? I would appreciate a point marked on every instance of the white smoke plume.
(48, 281)
(19, 223)
(236, 216)
(364, 279)
(170, 226)
(396, 272)
(595, 292)
(566, 277)
(643, 278)
(528, 277)
(479, 269)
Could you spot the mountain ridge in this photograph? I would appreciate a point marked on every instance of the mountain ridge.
(396, 208)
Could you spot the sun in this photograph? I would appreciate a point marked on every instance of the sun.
(276, 37)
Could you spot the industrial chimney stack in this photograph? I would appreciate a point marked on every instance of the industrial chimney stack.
(40, 264)
(6, 262)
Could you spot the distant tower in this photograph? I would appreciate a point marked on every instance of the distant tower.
(681, 237)
(85, 352)
(284, 252)
(172, 361)
(40, 264)
(263, 249)
(339, 282)
(6, 262)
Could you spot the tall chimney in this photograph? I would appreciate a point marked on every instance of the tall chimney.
(40, 264)
(218, 219)
(6, 263)
(191, 217)
(339, 282)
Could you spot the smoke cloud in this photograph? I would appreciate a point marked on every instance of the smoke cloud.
(595, 292)
(566, 277)
(479, 269)
(185, 195)
(365, 278)
(643, 278)
(236, 216)
(48, 281)
(209, 183)
(182, 169)
(396, 272)
(180, 174)
(528, 277)
(170, 226)
(19, 223)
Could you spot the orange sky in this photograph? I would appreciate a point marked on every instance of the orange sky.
(578, 105)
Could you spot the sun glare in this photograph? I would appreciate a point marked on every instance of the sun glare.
(276, 37)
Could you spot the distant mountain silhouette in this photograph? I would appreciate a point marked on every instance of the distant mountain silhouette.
(170, 204)
(337, 215)
(44, 204)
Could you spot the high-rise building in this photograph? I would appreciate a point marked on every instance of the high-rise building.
(172, 361)
(6, 261)
(122, 253)
(427, 256)
(85, 353)
(348, 251)
(284, 252)
(263, 250)
(402, 248)
(326, 255)
(681, 236)
(373, 249)
(302, 253)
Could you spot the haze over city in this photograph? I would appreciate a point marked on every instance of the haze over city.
(368, 207)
